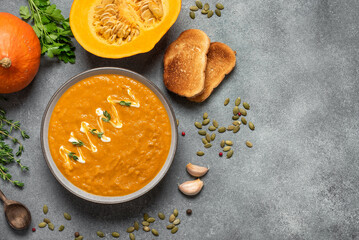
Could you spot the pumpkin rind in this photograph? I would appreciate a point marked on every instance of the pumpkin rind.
(19, 43)
(81, 22)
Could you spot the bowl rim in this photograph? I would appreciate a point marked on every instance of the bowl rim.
(53, 167)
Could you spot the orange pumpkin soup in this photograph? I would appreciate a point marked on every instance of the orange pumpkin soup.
(109, 135)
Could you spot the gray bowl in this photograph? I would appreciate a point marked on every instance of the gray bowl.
(45, 144)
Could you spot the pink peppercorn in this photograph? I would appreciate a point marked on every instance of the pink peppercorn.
(34, 229)
(220, 154)
(183, 134)
(239, 114)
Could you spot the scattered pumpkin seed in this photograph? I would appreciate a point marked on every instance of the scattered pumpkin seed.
(238, 100)
(136, 225)
(206, 6)
(177, 121)
(177, 221)
(172, 218)
(219, 6)
(67, 216)
(251, 126)
(170, 226)
(230, 153)
(249, 144)
(130, 229)
(210, 14)
(79, 238)
(146, 229)
(204, 11)
(115, 235)
(246, 105)
(226, 148)
(198, 125)
(175, 212)
(236, 123)
(243, 111)
(204, 141)
(46, 220)
(221, 129)
(193, 8)
(244, 121)
(200, 153)
(230, 127)
(42, 225)
(61, 228)
(132, 236)
(226, 101)
(235, 117)
(236, 129)
(154, 232)
(223, 143)
(229, 143)
(174, 230)
(215, 123)
(145, 223)
(192, 15)
(218, 12)
(206, 121)
(212, 128)
(145, 216)
(161, 215)
(208, 145)
(213, 136)
(208, 138)
(151, 220)
(45, 209)
(235, 110)
(199, 4)
(202, 132)
(205, 115)
(100, 234)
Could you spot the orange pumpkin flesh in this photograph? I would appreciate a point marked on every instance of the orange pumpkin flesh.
(82, 25)
(20, 53)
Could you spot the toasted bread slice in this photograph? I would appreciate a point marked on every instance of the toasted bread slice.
(221, 59)
(185, 63)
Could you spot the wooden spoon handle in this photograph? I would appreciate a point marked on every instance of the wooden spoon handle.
(2, 196)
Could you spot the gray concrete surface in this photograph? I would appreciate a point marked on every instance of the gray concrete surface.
(297, 66)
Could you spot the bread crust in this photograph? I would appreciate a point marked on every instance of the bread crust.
(185, 63)
(221, 60)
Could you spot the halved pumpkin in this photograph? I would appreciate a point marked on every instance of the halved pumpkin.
(121, 28)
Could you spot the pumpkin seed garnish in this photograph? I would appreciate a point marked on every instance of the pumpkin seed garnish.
(145, 216)
(213, 136)
(175, 212)
(208, 145)
(223, 143)
(132, 236)
(42, 225)
(79, 238)
(161, 215)
(46, 220)
(210, 14)
(244, 121)
(243, 112)
(205, 116)
(146, 229)
(236, 129)
(219, 6)
(236, 123)
(136, 225)
(174, 230)
(154, 232)
(208, 138)
(206, 121)
(151, 220)
(177, 221)
(230, 127)
(212, 128)
(235, 110)
(206, 6)
(221, 129)
(226, 101)
(229, 143)
(115, 235)
(215, 123)
(193, 8)
(198, 125)
(145, 223)
(170, 226)
(100, 234)
(61, 228)
(238, 101)
(199, 4)
(251, 126)
(67, 216)
(236, 117)
(204, 11)
(230, 153)
(218, 12)
(45, 209)
(200, 153)
(192, 15)
(172, 218)
(246, 105)
(177, 121)
(130, 229)
(249, 144)
(202, 132)
(204, 141)
(226, 148)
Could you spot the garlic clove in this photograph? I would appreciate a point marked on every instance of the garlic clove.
(191, 188)
(195, 170)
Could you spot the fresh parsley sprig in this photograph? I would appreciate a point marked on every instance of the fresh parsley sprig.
(107, 116)
(52, 29)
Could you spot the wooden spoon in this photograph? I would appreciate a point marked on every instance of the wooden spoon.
(17, 215)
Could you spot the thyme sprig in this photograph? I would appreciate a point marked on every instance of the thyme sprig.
(96, 132)
(125, 103)
(107, 116)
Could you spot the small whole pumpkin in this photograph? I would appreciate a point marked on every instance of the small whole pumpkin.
(20, 53)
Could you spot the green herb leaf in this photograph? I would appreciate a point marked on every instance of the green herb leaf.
(24, 12)
(97, 133)
(107, 116)
(125, 103)
(78, 143)
(73, 156)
